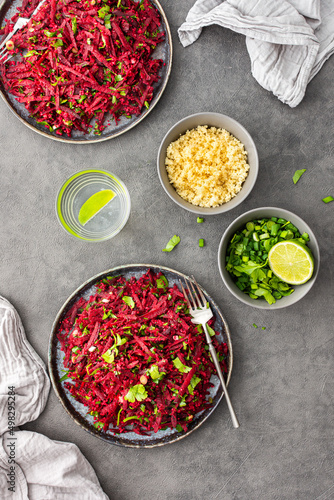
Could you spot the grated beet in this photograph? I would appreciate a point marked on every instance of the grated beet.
(84, 61)
(134, 357)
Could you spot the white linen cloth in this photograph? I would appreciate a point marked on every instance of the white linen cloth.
(32, 466)
(288, 41)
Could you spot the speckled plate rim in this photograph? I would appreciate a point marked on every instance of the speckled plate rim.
(165, 76)
(66, 403)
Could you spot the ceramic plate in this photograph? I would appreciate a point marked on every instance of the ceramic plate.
(79, 412)
(163, 51)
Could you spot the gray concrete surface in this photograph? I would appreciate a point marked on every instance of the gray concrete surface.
(282, 382)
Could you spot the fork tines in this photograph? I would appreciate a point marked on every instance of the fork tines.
(5, 57)
(193, 295)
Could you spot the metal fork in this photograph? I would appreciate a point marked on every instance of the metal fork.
(20, 23)
(201, 312)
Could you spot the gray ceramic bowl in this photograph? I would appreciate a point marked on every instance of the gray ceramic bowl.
(213, 120)
(259, 213)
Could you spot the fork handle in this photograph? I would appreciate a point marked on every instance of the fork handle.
(212, 350)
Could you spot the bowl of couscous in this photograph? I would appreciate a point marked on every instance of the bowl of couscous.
(208, 163)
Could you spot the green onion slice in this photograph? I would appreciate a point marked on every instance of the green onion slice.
(297, 175)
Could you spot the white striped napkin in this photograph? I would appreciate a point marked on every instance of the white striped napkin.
(32, 466)
(288, 41)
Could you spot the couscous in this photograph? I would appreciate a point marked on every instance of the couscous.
(207, 166)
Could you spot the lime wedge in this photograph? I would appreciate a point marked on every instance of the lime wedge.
(291, 261)
(94, 204)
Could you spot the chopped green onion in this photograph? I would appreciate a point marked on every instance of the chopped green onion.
(274, 229)
(297, 175)
(200, 220)
(247, 257)
(255, 326)
(201, 243)
(74, 25)
(267, 245)
(328, 199)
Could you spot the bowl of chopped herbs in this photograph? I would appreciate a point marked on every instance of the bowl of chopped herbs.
(269, 258)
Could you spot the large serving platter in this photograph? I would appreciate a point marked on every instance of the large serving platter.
(79, 412)
(163, 51)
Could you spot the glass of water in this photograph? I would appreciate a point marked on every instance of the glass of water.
(93, 205)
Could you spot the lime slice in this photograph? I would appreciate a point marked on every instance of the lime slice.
(291, 261)
(94, 204)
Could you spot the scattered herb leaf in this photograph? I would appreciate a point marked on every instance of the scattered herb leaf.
(136, 392)
(64, 377)
(109, 356)
(175, 240)
(211, 331)
(129, 301)
(193, 382)
(180, 366)
(155, 374)
(162, 282)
